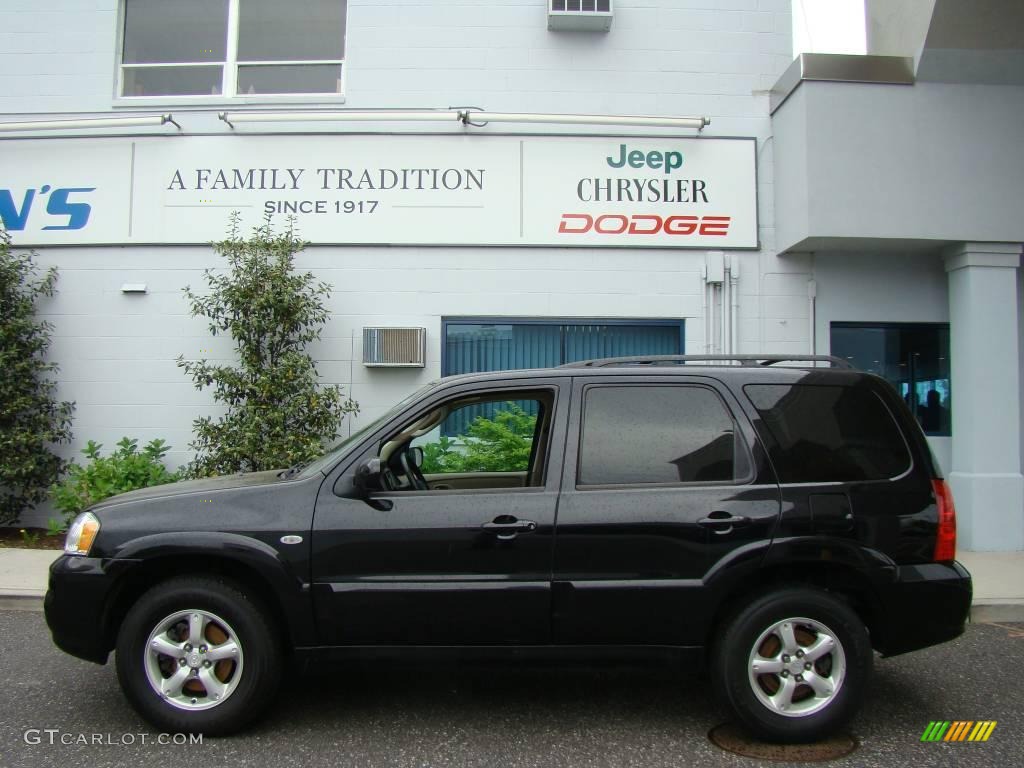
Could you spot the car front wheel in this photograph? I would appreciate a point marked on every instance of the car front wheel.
(793, 665)
(198, 655)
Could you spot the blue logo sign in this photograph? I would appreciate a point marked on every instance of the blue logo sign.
(15, 215)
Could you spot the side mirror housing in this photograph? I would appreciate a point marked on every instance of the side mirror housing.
(367, 478)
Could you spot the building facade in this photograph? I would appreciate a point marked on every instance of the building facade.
(859, 206)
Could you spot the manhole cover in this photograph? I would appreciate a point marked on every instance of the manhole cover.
(733, 739)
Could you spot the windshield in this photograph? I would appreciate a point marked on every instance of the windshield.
(334, 453)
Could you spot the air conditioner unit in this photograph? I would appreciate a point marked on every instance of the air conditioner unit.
(394, 347)
(580, 15)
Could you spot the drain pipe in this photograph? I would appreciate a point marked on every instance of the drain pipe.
(705, 316)
(734, 294)
(714, 277)
(723, 311)
(812, 295)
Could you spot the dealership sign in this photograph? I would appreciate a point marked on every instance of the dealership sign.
(384, 190)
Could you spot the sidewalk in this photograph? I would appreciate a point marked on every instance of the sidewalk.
(998, 581)
(998, 584)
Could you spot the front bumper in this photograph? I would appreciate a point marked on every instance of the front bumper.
(76, 603)
(928, 604)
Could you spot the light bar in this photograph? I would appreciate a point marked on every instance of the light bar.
(476, 118)
(408, 115)
(92, 122)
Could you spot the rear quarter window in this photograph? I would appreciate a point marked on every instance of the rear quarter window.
(817, 433)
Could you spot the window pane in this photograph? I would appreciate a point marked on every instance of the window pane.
(298, 30)
(172, 81)
(487, 437)
(586, 342)
(913, 358)
(293, 78)
(820, 434)
(472, 347)
(475, 347)
(644, 434)
(160, 31)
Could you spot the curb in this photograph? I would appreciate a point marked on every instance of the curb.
(987, 611)
(22, 600)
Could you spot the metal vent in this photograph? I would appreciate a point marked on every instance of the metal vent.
(394, 347)
(580, 15)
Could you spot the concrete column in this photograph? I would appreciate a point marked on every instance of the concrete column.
(988, 487)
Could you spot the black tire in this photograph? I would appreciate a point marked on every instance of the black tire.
(812, 716)
(258, 673)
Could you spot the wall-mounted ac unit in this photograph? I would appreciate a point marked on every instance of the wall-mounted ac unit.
(580, 15)
(394, 347)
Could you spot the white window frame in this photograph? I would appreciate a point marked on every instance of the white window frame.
(229, 81)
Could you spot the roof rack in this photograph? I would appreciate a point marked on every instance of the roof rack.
(743, 360)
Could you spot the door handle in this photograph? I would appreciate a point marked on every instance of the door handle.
(507, 528)
(723, 522)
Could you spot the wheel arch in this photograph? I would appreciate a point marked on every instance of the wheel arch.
(837, 578)
(253, 570)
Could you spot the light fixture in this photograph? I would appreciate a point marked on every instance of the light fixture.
(343, 115)
(133, 288)
(471, 117)
(89, 122)
(474, 117)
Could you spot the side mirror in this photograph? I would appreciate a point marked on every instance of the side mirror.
(367, 479)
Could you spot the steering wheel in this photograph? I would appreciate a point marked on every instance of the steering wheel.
(416, 478)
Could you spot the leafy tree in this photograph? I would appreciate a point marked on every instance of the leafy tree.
(126, 469)
(278, 414)
(501, 444)
(32, 420)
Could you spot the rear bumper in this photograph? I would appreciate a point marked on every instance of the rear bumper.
(79, 588)
(928, 604)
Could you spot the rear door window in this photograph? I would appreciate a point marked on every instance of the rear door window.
(818, 434)
(656, 435)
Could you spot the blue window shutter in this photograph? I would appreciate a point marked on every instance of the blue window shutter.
(473, 346)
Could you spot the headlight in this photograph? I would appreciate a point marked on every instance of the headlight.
(82, 534)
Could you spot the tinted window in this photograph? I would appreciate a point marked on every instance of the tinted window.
(269, 30)
(275, 47)
(828, 434)
(156, 31)
(655, 434)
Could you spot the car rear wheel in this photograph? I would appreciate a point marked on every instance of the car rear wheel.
(793, 665)
(198, 655)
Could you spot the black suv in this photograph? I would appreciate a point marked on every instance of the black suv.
(779, 520)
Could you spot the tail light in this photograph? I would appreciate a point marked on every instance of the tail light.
(945, 538)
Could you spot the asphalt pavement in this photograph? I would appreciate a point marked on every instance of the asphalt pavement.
(54, 708)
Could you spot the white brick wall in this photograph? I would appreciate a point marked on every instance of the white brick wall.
(676, 57)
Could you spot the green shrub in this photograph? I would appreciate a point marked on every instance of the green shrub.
(501, 444)
(278, 414)
(32, 420)
(126, 469)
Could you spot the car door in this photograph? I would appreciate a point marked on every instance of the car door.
(444, 566)
(662, 485)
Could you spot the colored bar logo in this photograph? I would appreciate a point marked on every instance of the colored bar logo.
(958, 730)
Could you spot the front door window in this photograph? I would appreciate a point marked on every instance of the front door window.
(496, 440)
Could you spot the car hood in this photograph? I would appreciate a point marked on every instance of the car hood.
(206, 485)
